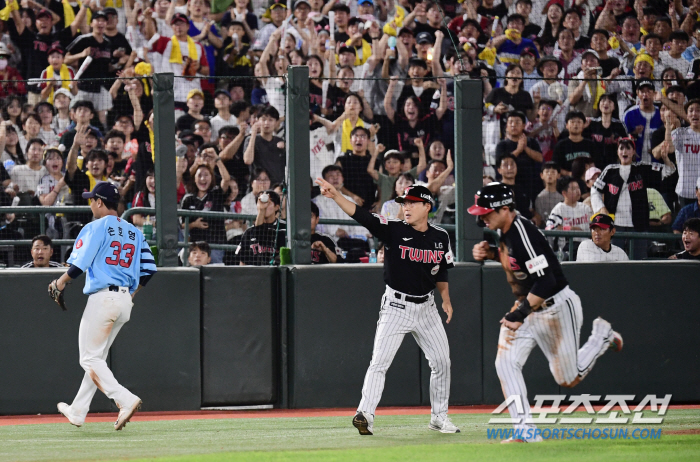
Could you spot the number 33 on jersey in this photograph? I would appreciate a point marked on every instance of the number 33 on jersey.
(113, 252)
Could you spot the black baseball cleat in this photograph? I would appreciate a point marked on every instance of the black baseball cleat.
(362, 423)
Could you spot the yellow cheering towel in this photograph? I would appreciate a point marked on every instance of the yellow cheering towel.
(110, 4)
(69, 14)
(65, 79)
(239, 61)
(347, 128)
(600, 91)
(391, 28)
(10, 6)
(176, 54)
(93, 180)
(361, 58)
(152, 138)
(646, 58)
(144, 68)
(513, 34)
(488, 55)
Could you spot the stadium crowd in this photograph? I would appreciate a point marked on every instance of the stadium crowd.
(590, 107)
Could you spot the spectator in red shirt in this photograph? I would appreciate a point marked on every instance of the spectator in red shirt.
(58, 71)
(12, 80)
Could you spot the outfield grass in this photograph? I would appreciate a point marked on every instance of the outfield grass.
(325, 439)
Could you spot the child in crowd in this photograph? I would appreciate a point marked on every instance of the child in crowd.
(549, 196)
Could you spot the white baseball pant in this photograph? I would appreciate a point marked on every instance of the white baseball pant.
(556, 330)
(105, 314)
(397, 318)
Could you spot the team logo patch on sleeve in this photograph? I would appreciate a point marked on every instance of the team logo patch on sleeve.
(435, 270)
(79, 244)
(537, 264)
(448, 257)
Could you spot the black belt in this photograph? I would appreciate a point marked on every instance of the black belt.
(114, 288)
(410, 299)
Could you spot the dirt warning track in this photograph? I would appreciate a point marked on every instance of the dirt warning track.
(253, 414)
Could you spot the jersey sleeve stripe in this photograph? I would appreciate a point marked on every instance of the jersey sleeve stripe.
(384, 219)
(147, 271)
(524, 238)
(526, 241)
(148, 261)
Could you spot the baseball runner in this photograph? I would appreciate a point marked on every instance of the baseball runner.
(118, 262)
(547, 314)
(416, 259)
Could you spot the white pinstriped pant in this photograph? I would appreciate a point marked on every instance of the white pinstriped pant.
(105, 314)
(423, 321)
(556, 330)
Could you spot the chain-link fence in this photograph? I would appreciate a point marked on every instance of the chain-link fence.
(574, 139)
(372, 136)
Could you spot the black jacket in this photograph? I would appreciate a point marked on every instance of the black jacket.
(642, 176)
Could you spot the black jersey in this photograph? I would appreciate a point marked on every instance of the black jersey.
(685, 255)
(414, 261)
(261, 244)
(101, 53)
(212, 201)
(530, 263)
(317, 256)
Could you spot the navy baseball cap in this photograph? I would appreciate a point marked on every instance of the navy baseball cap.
(645, 82)
(222, 92)
(189, 136)
(347, 49)
(416, 193)
(103, 190)
(425, 37)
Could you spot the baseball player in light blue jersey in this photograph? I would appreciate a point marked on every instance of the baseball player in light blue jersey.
(118, 262)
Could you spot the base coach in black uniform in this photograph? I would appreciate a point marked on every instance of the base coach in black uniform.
(417, 256)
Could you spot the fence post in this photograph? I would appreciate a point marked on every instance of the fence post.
(166, 187)
(299, 164)
(468, 163)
